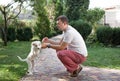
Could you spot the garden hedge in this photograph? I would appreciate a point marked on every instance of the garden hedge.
(108, 35)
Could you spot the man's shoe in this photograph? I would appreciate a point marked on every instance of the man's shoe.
(76, 72)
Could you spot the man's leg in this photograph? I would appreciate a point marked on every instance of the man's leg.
(70, 59)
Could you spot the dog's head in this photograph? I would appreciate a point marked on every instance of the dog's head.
(36, 44)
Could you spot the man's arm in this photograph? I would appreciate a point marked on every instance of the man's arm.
(47, 40)
(61, 46)
(55, 42)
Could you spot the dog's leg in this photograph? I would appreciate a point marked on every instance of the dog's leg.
(32, 65)
(29, 67)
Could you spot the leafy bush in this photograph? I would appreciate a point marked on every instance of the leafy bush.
(104, 34)
(116, 36)
(82, 27)
(20, 34)
(24, 34)
(27, 34)
(92, 38)
(11, 35)
(43, 27)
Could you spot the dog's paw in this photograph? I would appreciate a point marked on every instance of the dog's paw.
(29, 73)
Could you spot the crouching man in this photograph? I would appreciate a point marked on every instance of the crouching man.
(71, 50)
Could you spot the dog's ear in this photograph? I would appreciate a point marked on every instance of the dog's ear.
(33, 43)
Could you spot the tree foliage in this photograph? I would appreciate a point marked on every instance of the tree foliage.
(59, 7)
(76, 9)
(42, 28)
(8, 12)
(58, 10)
(93, 16)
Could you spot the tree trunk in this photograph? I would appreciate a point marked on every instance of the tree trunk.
(5, 30)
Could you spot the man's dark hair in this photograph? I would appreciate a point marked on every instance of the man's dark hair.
(63, 18)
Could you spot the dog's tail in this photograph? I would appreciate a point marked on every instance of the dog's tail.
(21, 58)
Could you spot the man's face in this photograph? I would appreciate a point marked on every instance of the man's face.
(61, 25)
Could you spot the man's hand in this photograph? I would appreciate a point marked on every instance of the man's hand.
(44, 45)
(45, 40)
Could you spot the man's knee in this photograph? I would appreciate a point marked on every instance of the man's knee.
(60, 54)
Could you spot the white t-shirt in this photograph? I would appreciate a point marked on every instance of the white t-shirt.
(75, 41)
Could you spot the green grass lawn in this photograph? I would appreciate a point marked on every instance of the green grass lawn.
(11, 69)
(104, 57)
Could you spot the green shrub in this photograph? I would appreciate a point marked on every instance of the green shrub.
(104, 34)
(82, 27)
(11, 35)
(116, 36)
(92, 38)
(24, 34)
(27, 34)
(42, 29)
(20, 35)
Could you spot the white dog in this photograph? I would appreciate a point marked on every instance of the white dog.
(35, 50)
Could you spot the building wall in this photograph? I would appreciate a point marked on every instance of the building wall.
(112, 16)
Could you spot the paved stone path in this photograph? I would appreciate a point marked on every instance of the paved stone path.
(49, 68)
